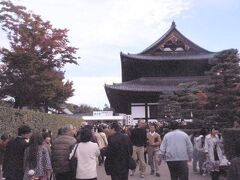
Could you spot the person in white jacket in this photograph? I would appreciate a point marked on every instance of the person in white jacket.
(199, 145)
(214, 152)
(87, 153)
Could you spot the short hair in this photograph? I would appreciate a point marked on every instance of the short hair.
(4, 137)
(115, 126)
(67, 128)
(90, 127)
(60, 131)
(152, 125)
(141, 120)
(100, 129)
(36, 139)
(215, 128)
(24, 129)
(174, 125)
(85, 135)
(203, 131)
(46, 135)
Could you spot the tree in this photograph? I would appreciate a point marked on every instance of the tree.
(224, 88)
(169, 108)
(32, 67)
(79, 109)
(193, 99)
(107, 108)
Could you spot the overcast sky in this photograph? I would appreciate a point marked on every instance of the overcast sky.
(101, 29)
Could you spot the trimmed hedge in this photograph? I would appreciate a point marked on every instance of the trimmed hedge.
(11, 119)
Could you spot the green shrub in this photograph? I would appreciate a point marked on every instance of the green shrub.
(230, 136)
(190, 131)
(11, 119)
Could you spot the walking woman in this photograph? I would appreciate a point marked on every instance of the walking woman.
(214, 152)
(102, 143)
(199, 145)
(87, 153)
(37, 164)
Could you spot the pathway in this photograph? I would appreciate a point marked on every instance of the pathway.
(163, 171)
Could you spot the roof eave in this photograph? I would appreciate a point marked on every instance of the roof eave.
(172, 28)
(166, 58)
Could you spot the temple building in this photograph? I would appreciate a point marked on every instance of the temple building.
(161, 67)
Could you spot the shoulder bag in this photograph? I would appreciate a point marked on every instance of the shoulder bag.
(73, 162)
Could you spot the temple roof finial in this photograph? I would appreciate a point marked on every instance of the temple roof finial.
(173, 24)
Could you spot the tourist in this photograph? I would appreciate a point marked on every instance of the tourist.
(118, 152)
(199, 145)
(61, 149)
(214, 152)
(234, 168)
(47, 141)
(37, 163)
(86, 154)
(139, 141)
(106, 130)
(193, 138)
(13, 159)
(236, 124)
(102, 142)
(176, 148)
(3, 144)
(153, 143)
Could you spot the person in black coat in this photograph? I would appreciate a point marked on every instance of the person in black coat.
(117, 153)
(14, 154)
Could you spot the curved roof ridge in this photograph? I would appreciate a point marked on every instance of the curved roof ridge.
(160, 39)
(172, 28)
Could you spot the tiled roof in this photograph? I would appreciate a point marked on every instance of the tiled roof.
(156, 84)
(173, 30)
(172, 57)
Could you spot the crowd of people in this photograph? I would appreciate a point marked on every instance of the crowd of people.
(44, 156)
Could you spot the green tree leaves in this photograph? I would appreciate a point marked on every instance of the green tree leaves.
(31, 70)
(223, 90)
(217, 102)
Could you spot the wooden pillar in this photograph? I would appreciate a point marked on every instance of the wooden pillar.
(146, 112)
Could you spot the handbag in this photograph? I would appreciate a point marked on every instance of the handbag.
(73, 162)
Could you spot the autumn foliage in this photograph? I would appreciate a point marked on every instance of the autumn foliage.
(31, 69)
